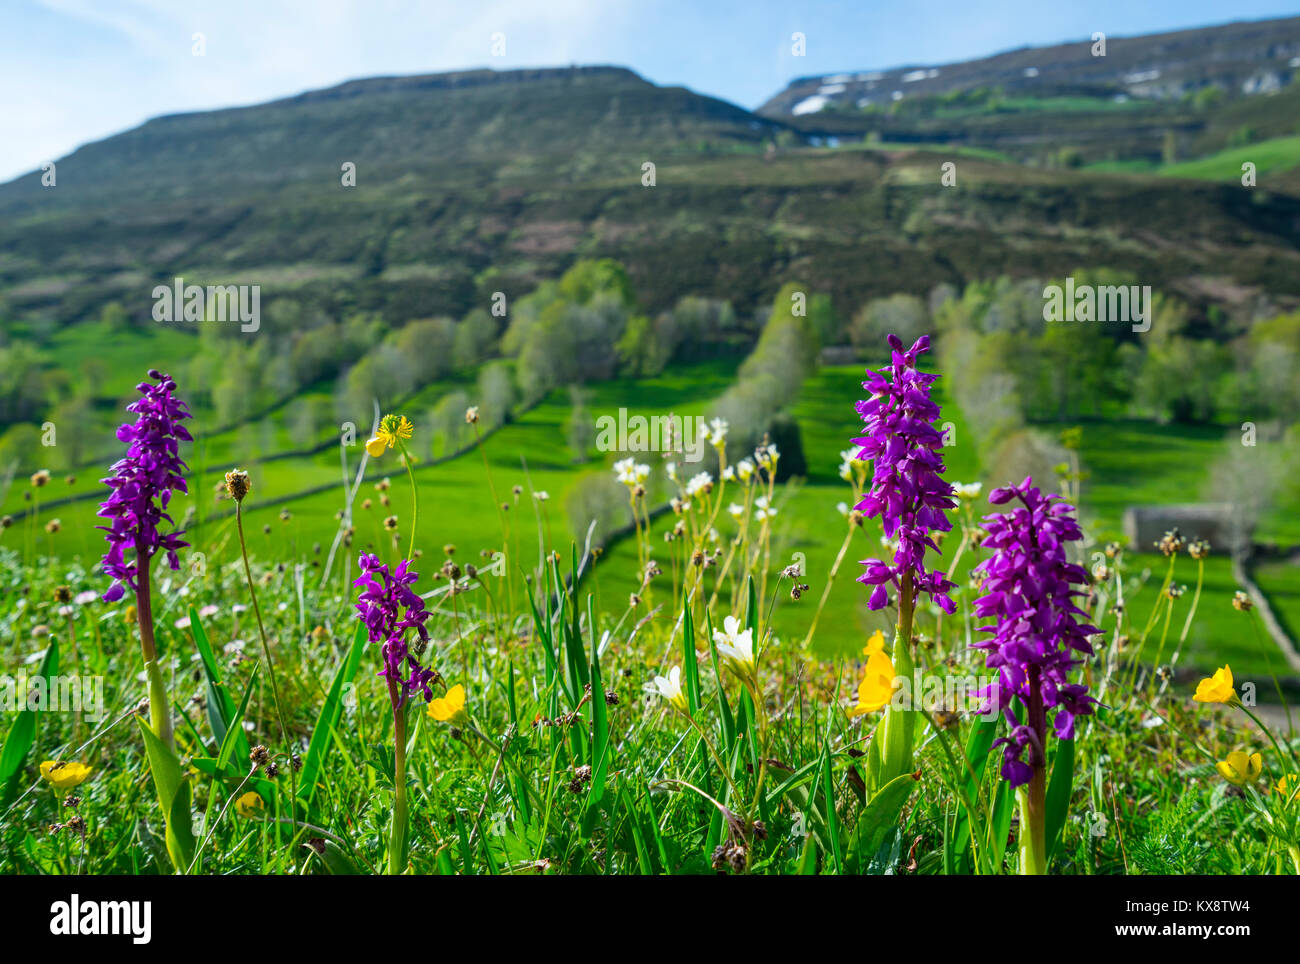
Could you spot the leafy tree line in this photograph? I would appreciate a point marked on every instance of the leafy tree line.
(1010, 371)
(1189, 367)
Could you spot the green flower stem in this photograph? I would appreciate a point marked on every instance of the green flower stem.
(1164, 635)
(1033, 824)
(502, 516)
(1267, 732)
(830, 582)
(415, 497)
(898, 726)
(266, 654)
(708, 745)
(397, 836)
(1032, 798)
(1161, 599)
(160, 717)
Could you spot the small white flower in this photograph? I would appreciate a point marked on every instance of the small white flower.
(670, 688)
(541, 495)
(733, 645)
(843, 509)
(736, 511)
(848, 459)
(699, 483)
(630, 473)
(763, 510)
(671, 469)
(745, 469)
(728, 473)
(717, 432)
(969, 491)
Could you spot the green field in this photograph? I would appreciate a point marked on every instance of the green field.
(1276, 155)
(1128, 463)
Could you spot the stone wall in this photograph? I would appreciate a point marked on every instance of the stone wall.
(1145, 524)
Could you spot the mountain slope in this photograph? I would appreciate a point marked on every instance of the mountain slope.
(1249, 57)
(480, 182)
(1152, 99)
(390, 126)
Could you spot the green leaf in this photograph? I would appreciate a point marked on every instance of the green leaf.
(724, 708)
(751, 608)
(690, 666)
(220, 706)
(575, 656)
(237, 724)
(1058, 793)
(978, 744)
(543, 628)
(319, 746)
(23, 733)
(174, 796)
(1003, 806)
(832, 816)
(880, 815)
(599, 760)
(332, 858)
(644, 864)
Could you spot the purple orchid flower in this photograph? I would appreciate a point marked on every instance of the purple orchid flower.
(383, 598)
(142, 484)
(907, 489)
(1039, 631)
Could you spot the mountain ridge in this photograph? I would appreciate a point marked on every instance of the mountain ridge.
(1124, 69)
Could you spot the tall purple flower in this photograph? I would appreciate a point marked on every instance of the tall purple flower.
(142, 484)
(907, 490)
(384, 597)
(1039, 629)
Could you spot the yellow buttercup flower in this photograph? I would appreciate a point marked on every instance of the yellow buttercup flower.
(391, 428)
(1287, 788)
(450, 708)
(249, 805)
(877, 686)
(1240, 768)
(64, 776)
(1216, 688)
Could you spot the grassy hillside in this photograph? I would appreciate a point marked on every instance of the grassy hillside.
(473, 183)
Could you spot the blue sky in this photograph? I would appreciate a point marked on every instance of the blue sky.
(73, 71)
